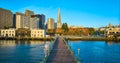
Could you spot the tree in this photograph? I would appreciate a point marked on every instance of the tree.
(101, 32)
(23, 32)
(91, 31)
(80, 32)
(65, 27)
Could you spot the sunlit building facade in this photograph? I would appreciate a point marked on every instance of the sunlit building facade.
(37, 33)
(22, 21)
(50, 24)
(112, 31)
(7, 32)
(59, 24)
(41, 22)
(34, 22)
(29, 13)
(6, 18)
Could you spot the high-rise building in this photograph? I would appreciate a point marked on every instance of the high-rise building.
(29, 20)
(50, 23)
(34, 22)
(41, 21)
(6, 18)
(22, 21)
(59, 24)
(55, 25)
(19, 19)
(14, 20)
(29, 13)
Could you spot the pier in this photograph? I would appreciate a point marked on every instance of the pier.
(60, 53)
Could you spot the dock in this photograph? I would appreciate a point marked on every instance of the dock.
(60, 53)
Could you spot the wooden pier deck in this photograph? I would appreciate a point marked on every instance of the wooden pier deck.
(60, 53)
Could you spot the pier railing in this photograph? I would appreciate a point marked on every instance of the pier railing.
(73, 55)
(45, 59)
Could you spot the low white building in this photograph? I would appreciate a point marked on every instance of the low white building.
(112, 31)
(37, 33)
(7, 32)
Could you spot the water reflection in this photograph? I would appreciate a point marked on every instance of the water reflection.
(12, 51)
(111, 42)
(15, 42)
(7, 43)
(47, 48)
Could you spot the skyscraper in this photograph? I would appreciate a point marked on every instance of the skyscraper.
(50, 23)
(34, 22)
(6, 18)
(22, 21)
(59, 24)
(29, 13)
(41, 20)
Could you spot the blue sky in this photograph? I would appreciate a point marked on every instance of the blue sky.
(86, 13)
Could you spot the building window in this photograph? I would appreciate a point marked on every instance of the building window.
(117, 32)
(9, 34)
(12, 31)
(12, 34)
(3, 31)
(41, 31)
(34, 35)
(110, 29)
(41, 35)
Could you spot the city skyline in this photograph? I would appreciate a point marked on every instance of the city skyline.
(79, 13)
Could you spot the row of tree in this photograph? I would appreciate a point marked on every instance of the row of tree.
(65, 30)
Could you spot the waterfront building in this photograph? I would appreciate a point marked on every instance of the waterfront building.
(29, 13)
(112, 31)
(46, 24)
(50, 23)
(29, 20)
(59, 24)
(102, 28)
(8, 32)
(22, 21)
(37, 33)
(14, 20)
(6, 18)
(34, 22)
(55, 25)
(41, 22)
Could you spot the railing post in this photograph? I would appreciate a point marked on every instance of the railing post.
(78, 55)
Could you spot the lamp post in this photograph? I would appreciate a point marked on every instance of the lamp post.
(78, 55)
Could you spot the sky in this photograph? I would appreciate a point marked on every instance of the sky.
(85, 13)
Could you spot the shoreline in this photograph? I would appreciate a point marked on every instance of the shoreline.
(67, 38)
(26, 38)
(92, 39)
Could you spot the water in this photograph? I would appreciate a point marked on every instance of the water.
(96, 51)
(21, 51)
